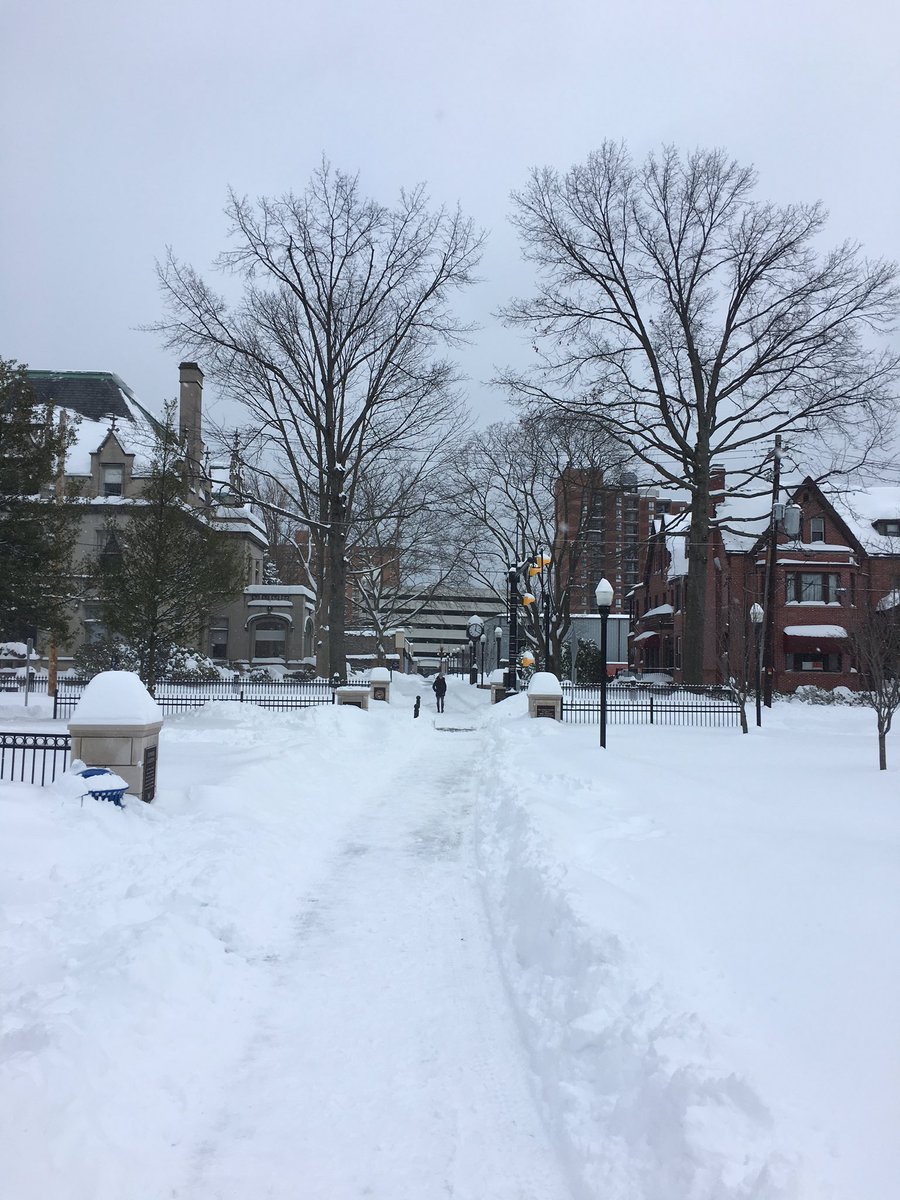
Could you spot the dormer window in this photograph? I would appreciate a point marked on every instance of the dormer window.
(891, 528)
(817, 529)
(112, 481)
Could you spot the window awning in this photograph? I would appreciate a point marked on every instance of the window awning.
(815, 639)
(646, 636)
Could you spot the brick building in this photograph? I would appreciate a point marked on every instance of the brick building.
(846, 557)
(603, 528)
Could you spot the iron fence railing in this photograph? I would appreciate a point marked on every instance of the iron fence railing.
(12, 682)
(653, 704)
(173, 696)
(35, 758)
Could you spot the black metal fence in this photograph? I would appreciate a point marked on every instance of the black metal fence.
(173, 697)
(12, 682)
(35, 758)
(653, 704)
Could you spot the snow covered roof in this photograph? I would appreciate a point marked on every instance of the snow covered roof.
(96, 398)
(742, 520)
(861, 508)
(815, 631)
(676, 544)
(661, 610)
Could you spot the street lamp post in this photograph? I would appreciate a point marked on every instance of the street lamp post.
(604, 596)
(513, 583)
(498, 635)
(757, 615)
(474, 632)
(483, 640)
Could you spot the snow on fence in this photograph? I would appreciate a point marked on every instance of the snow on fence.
(35, 758)
(172, 696)
(653, 704)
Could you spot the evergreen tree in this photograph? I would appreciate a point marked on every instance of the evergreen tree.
(36, 534)
(588, 664)
(164, 570)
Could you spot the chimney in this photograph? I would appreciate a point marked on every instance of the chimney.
(190, 415)
(716, 486)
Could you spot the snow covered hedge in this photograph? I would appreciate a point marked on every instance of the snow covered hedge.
(810, 694)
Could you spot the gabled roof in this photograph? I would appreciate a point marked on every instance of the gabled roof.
(96, 398)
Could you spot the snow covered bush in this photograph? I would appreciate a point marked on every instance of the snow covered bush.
(810, 694)
(189, 666)
(302, 675)
(258, 675)
(106, 654)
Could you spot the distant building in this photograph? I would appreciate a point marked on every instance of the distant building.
(109, 460)
(611, 522)
(435, 628)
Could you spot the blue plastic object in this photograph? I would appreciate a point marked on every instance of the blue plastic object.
(113, 795)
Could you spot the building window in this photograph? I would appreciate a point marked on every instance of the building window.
(268, 642)
(817, 529)
(829, 663)
(812, 587)
(218, 638)
(112, 481)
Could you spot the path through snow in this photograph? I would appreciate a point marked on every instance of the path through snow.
(384, 1059)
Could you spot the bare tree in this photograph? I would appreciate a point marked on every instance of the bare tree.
(700, 322)
(289, 544)
(332, 347)
(876, 646)
(511, 485)
(402, 548)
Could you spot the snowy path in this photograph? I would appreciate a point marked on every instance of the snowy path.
(385, 1060)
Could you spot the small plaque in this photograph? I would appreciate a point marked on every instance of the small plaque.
(148, 791)
(546, 710)
(379, 693)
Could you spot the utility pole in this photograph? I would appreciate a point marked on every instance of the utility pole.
(769, 627)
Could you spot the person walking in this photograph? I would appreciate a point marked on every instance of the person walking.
(439, 687)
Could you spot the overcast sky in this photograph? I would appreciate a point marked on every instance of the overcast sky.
(123, 124)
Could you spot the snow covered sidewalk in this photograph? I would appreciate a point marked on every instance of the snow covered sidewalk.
(278, 981)
(355, 954)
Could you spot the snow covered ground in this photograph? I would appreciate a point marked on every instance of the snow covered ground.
(352, 954)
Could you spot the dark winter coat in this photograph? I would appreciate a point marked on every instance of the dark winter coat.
(439, 687)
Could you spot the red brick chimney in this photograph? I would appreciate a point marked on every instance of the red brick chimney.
(716, 486)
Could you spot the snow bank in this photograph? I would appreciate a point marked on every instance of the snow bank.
(628, 1081)
(135, 943)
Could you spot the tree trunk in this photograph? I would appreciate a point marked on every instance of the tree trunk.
(695, 589)
(335, 589)
(882, 750)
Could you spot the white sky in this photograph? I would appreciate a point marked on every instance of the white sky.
(122, 125)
